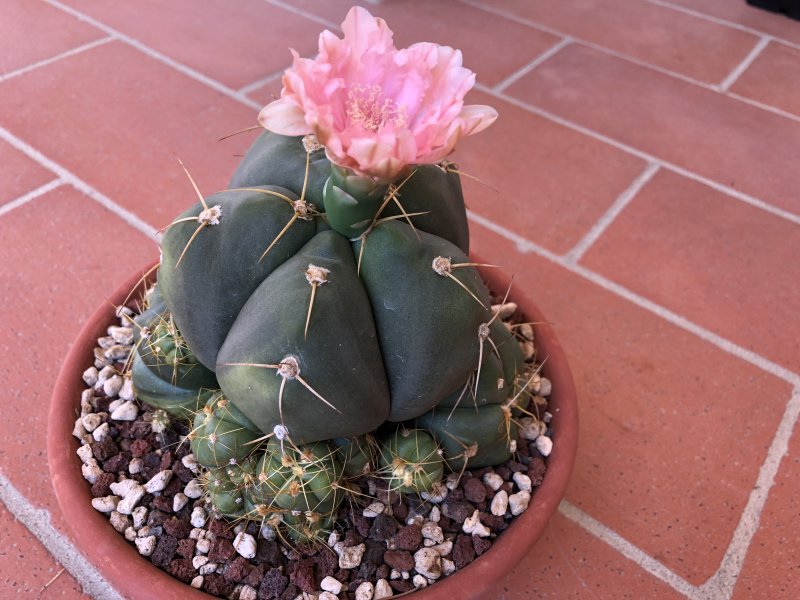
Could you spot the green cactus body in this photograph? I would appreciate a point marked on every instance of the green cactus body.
(411, 461)
(221, 435)
(480, 436)
(508, 350)
(357, 454)
(491, 387)
(308, 527)
(163, 394)
(225, 494)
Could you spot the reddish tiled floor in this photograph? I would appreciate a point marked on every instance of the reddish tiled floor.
(733, 143)
(26, 566)
(647, 32)
(715, 268)
(772, 78)
(33, 31)
(63, 254)
(19, 174)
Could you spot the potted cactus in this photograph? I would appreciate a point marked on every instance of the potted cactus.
(321, 320)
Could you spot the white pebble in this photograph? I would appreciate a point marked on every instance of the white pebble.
(197, 582)
(197, 534)
(419, 582)
(545, 387)
(394, 574)
(130, 534)
(127, 411)
(331, 584)
(105, 342)
(444, 548)
(91, 421)
(121, 335)
(268, 532)
(547, 417)
(146, 545)
(208, 568)
(121, 488)
(350, 557)
(519, 502)
(437, 494)
(526, 330)
(135, 466)
(473, 526)
(323, 596)
(373, 510)
(504, 311)
(90, 376)
(198, 561)
(383, 590)
(544, 445)
(127, 392)
(431, 531)
(198, 518)
(428, 562)
(500, 503)
(91, 470)
(333, 539)
(190, 462)
(493, 480)
(85, 453)
(105, 504)
(436, 514)
(179, 501)
(115, 405)
(448, 567)
(249, 593)
(79, 431)
(119, 522)
(105, 373)
(101, 432)
(523, 481)
(203, 546)
(130, 500)
(365, 591)
(112, 386)
(451, 482)
(193, 489)
(139, 517)
(530, 428)
(158, 482)
(245, 544)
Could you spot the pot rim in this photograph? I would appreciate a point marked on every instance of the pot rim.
(134, 577)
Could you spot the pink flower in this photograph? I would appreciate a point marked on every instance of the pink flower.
(373, 107)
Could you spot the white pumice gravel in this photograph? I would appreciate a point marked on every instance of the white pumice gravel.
(437, 494)
(190, 462)
(119, 521)
(145, 545)
(127, 393)
(518, 502)
(203, 546)
(208, 568)
(268, 532)
(544, 445)
(419, 582)
(85, 453)
(121, 488)
(101, 433)
(374, 509)
(504, 311)
(331, 584)
(530, 428)
(431, 531)
(350, 557)
(394, 574)
(382, 590)
(249, 593)
(322, 596)
(91, 470)
(493, 480)
(199, 561)
(193, 489)
(91, 422)
(444, 549)
(245, 544)
(523, 482)
(79, 431)
(500, 503)
(127, 411)
(105, 373)
(131, 499)
(112, 386)
(428, 562)
(448, 567)
(436, 514)
(545, 387)
(333, 539)
(105, 504)
(121, 335)
(179, 500)
(473, 526)
(158, 482)
(198, 518)
(451, 482)
(130, 534)
(135, 466)
(365, 591)
(197, 582)
(90, 376)
(139, 515)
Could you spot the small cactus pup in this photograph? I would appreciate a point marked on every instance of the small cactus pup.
(411, 461)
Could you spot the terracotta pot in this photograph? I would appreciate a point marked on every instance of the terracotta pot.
(135, 577)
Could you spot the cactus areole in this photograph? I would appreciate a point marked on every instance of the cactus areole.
(321, 317)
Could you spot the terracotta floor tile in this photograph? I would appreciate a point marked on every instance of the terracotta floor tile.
(553, 182)
(663, 37)
(117, 119)
(249, 39)
(732, 268)
(331, 10)
(569, 563)
(62, 254)
(19, 174)
(267, 92)
(721, 138)
(773, 78)
(26, 566)
(744, 14)
(772, 566)
(663, 457)
(33, 31)
(493, 47)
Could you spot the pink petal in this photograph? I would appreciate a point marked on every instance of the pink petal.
(284, 118)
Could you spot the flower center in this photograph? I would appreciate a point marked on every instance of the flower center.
(367, 107)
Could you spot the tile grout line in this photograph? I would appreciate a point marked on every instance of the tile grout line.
(164, 59)
(723, 582)
(739, 69)
(526, 246)
(252, 87)
(721, 21)
(762, 106)
(37, 521)
(611, 214)
(67, 177)
(519, 73)
(626, 548)
(32, 195)
(304, 13)
(728, 191)
(56, 58)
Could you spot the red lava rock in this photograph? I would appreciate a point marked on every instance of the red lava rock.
(480, 544)
(104, 449)
(272, 585)
(352, 538)
(186, 548)
(254, 577)
(291, 592)
(181, 568)
(326, 563)
(517, 467)
(382, 572)
(165, 550)
(373, 551)
(399, 559)
(536, 470)
(117, 463)
(474, 490)
(463, 551)
(155, 518)
(400, 510)
(163, 503)
(173, 487)
(166, 461)
(216, 584)
(504, 472)
(221, 550)
(182, 474)
(267, 551)
(221, 529)
(140, 447)
(361, 523)
(383, 527)
(456, 495)
(303, 575)
(458, 511)
(408, 537)
(492, 521)
(401, 585)
(237, 569)
(366, 570)
(177, 528)
(102, 485)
